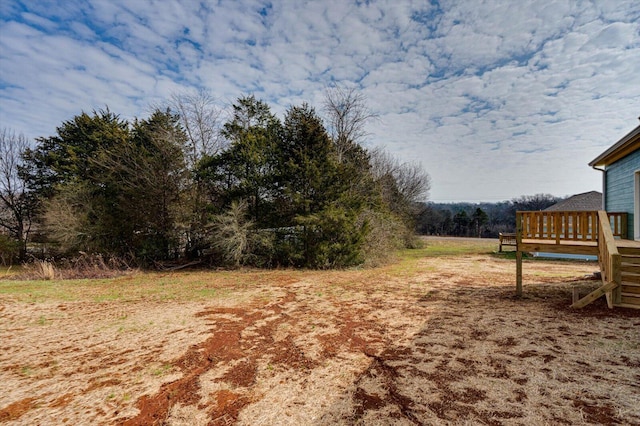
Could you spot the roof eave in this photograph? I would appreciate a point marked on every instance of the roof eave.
(620, 149)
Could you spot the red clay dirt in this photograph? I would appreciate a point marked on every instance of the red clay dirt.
(446, 343)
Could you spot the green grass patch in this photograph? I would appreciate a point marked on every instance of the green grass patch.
(450, 247)
(206, 285)
(158, 286)
(9, 271)
(407, 260)
(36, 291)
(453, 247)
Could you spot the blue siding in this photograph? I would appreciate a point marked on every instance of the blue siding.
(620, 185)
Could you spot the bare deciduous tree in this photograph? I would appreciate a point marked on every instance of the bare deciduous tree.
(410, 180)
(66, 218)
(347, 115)
(15, 208)
(200, 118)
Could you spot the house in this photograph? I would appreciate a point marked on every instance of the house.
(607, 231)
(587, 201)
(620, 166)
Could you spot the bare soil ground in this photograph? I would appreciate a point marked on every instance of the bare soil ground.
(433, 339)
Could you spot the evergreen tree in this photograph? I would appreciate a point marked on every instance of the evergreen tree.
(109, 188)
(249, 161)
(65, 157)
(69, 186)
(315, 194)
(146, 176)
(478, 219)
(461, 223)
(307, 166)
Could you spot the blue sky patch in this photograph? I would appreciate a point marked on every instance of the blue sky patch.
(476, 93)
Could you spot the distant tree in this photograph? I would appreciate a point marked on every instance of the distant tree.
(461, 223)
(500, 215)
(478, 219)
(534, 202)
(16, 204)
(501, 218)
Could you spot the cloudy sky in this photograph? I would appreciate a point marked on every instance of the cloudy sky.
(496, 99)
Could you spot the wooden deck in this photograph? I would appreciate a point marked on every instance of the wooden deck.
(586, 233)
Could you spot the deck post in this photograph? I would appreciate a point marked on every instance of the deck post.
(518, 273)
(518, 254)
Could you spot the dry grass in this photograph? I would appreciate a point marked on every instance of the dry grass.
(88, 266)
(436, 338)
(43, 270)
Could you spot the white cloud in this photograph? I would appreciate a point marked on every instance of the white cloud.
(479, 92)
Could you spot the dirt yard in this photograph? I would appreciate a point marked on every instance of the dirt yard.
(436, 338)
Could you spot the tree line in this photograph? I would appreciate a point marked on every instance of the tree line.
(484, 220)
(185, 185)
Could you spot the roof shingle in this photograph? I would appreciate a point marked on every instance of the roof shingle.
(586, 201)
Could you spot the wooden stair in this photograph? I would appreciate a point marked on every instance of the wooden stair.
(630, 278)
(591, 232)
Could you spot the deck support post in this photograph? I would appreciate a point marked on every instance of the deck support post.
(518, 254)
(609, 296)
(518, 273)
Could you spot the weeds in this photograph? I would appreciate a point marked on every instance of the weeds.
(26, 371)
(84, 266)
(44, 270)
(162, 370)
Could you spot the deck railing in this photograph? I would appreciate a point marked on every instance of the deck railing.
(610, 258)
(566, 225)
(575, 232)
